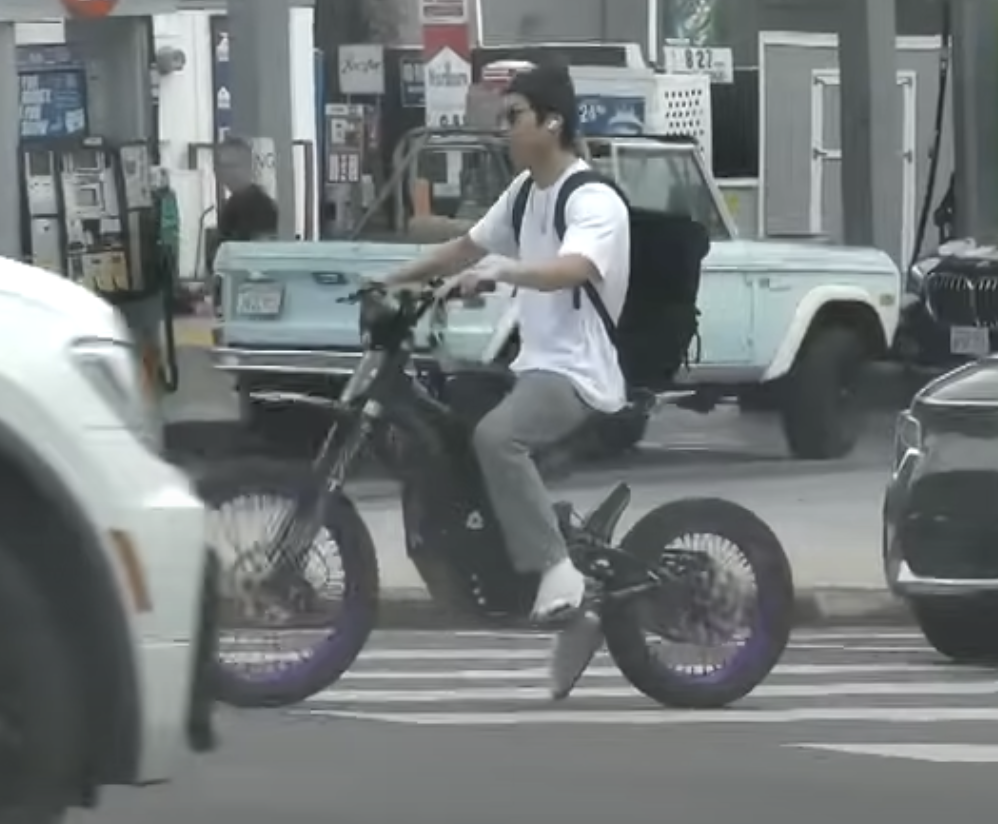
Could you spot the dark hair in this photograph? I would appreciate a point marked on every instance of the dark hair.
(549, 90)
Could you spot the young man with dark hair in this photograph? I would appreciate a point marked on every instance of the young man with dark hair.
(567, 366)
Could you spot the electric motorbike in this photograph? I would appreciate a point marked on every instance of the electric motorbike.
(659, 578)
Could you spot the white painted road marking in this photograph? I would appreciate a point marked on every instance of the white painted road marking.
(533, 673)
(501, 694)
(936, 753)
(830, 681)
(878, 715)
(495, 654)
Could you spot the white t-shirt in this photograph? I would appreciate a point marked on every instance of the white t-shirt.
(554, 335)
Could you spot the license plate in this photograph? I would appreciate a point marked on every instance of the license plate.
(259, 301)
(969, 340)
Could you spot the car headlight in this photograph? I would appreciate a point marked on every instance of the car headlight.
(907, 437)
(112, 369)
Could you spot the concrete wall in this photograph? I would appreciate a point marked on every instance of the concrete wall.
(788, 140)
(740, 21)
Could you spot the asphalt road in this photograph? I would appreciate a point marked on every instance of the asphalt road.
(863, 726)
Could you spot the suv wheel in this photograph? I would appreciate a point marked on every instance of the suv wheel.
(821, 409)
(41, 723)
(960, 628)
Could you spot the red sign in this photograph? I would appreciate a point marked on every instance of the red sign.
(92, 9)
(446, 61)
(445, 26)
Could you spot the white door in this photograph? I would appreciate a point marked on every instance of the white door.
(825, 213)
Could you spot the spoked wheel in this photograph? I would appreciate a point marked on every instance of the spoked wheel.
(288, 630)
(41, 720)
(723, 614)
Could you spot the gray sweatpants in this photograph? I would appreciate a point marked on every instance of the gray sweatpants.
(542, 409)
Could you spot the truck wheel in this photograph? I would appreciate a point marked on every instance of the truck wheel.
(821, 410)
(962, 629)
(41, 720)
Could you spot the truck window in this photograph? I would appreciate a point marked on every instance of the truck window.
(464, 182)
(665, 179)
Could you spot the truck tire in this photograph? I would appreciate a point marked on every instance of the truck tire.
(39, 707)
(820, 407)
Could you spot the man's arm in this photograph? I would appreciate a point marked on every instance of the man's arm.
(596, 221)
(440, 262)
(492, 235)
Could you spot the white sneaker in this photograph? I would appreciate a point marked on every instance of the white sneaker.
(574, 647)
(561, 589)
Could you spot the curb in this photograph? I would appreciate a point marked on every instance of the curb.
(826, 607)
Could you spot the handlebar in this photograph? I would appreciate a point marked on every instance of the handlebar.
(387, 321)
(422, 298)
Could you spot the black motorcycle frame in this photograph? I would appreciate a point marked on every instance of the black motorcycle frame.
(452, 535)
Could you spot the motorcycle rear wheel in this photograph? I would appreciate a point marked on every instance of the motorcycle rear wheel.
(772, 617)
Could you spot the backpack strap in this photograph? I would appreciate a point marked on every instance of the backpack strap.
(568, 188)
(520, 209)
(520, 206)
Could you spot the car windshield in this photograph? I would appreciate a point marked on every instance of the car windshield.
(661, 178)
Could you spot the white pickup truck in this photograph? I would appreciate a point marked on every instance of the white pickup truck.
(107, 590)
(788, 324)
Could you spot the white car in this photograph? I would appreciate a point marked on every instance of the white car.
(107, 590)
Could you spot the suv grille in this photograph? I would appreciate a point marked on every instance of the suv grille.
(957, 299)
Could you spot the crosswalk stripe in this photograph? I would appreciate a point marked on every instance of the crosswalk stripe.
(477, 694)
(880, 715)
(855, 647)
(936, 753)
(516, 674)
(274, 656)
(857, 635)
(878, 679)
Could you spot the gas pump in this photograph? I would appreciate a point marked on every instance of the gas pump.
(88, 214)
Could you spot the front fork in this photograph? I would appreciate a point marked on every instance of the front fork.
(297, 529)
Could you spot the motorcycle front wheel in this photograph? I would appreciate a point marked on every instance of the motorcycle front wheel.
(331, 620)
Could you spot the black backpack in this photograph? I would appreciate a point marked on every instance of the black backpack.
(660, 319)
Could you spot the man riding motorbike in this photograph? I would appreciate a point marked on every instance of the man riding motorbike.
(567, 367)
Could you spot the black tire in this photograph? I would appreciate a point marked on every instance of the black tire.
(223, 483)
(40, 691)
(820, 408)
(963, 629)
(774, 580)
